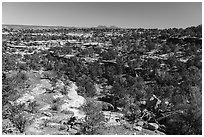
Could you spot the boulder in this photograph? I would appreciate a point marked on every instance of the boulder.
(105, 105)
(39, 89)
(45, 107)
(140, 123)
(98, 88)
(113, 118)
(153, 126)
(73, 131)
(62, 127)
(61, 118)
(109, 114)
(75, 102)
(45, 83)
(138, 128)
(59, 85)
(53, 125)
(57, 95)
(77, 127)
(77, 113)
(149, 132)
(26, 98)
(47, 113)
(72, 91)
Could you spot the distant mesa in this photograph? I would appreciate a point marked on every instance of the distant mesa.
(101, 27)
(113, 27)
(105, 27)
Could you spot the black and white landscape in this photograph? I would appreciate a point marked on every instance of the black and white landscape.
(102, 69)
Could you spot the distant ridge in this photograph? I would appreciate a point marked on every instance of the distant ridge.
(101, 27)
(105, 27)
(9, 26)
(51, 27)
(31, 26)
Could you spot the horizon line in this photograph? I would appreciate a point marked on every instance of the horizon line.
(116, 27)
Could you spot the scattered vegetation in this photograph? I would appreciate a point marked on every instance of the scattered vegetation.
(131, 69)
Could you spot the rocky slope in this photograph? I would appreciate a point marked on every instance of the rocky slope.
(56, 109)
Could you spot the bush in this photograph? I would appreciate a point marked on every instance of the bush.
(18, 117)
(87, 86)
(10, 86)
(32, 107)
(131, 109)
(188, 120)
(94, 118)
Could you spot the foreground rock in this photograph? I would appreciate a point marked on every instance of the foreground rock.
(126, 130)
(153, 126)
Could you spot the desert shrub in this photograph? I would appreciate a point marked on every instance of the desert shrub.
(32, 107)
(63, 91)
(7, 127)
(94, 118)
(131, 110)
(188, 119)
(8, 94)
(87, 86)
(90, 89)
(17, 116)
(18, 80)
(54, 107)
(10, 86)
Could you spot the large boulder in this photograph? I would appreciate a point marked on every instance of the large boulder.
(112, 118)
(153, 126)
(138, 128)
(105, 105)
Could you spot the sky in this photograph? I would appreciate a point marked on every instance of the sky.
(120, 14)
